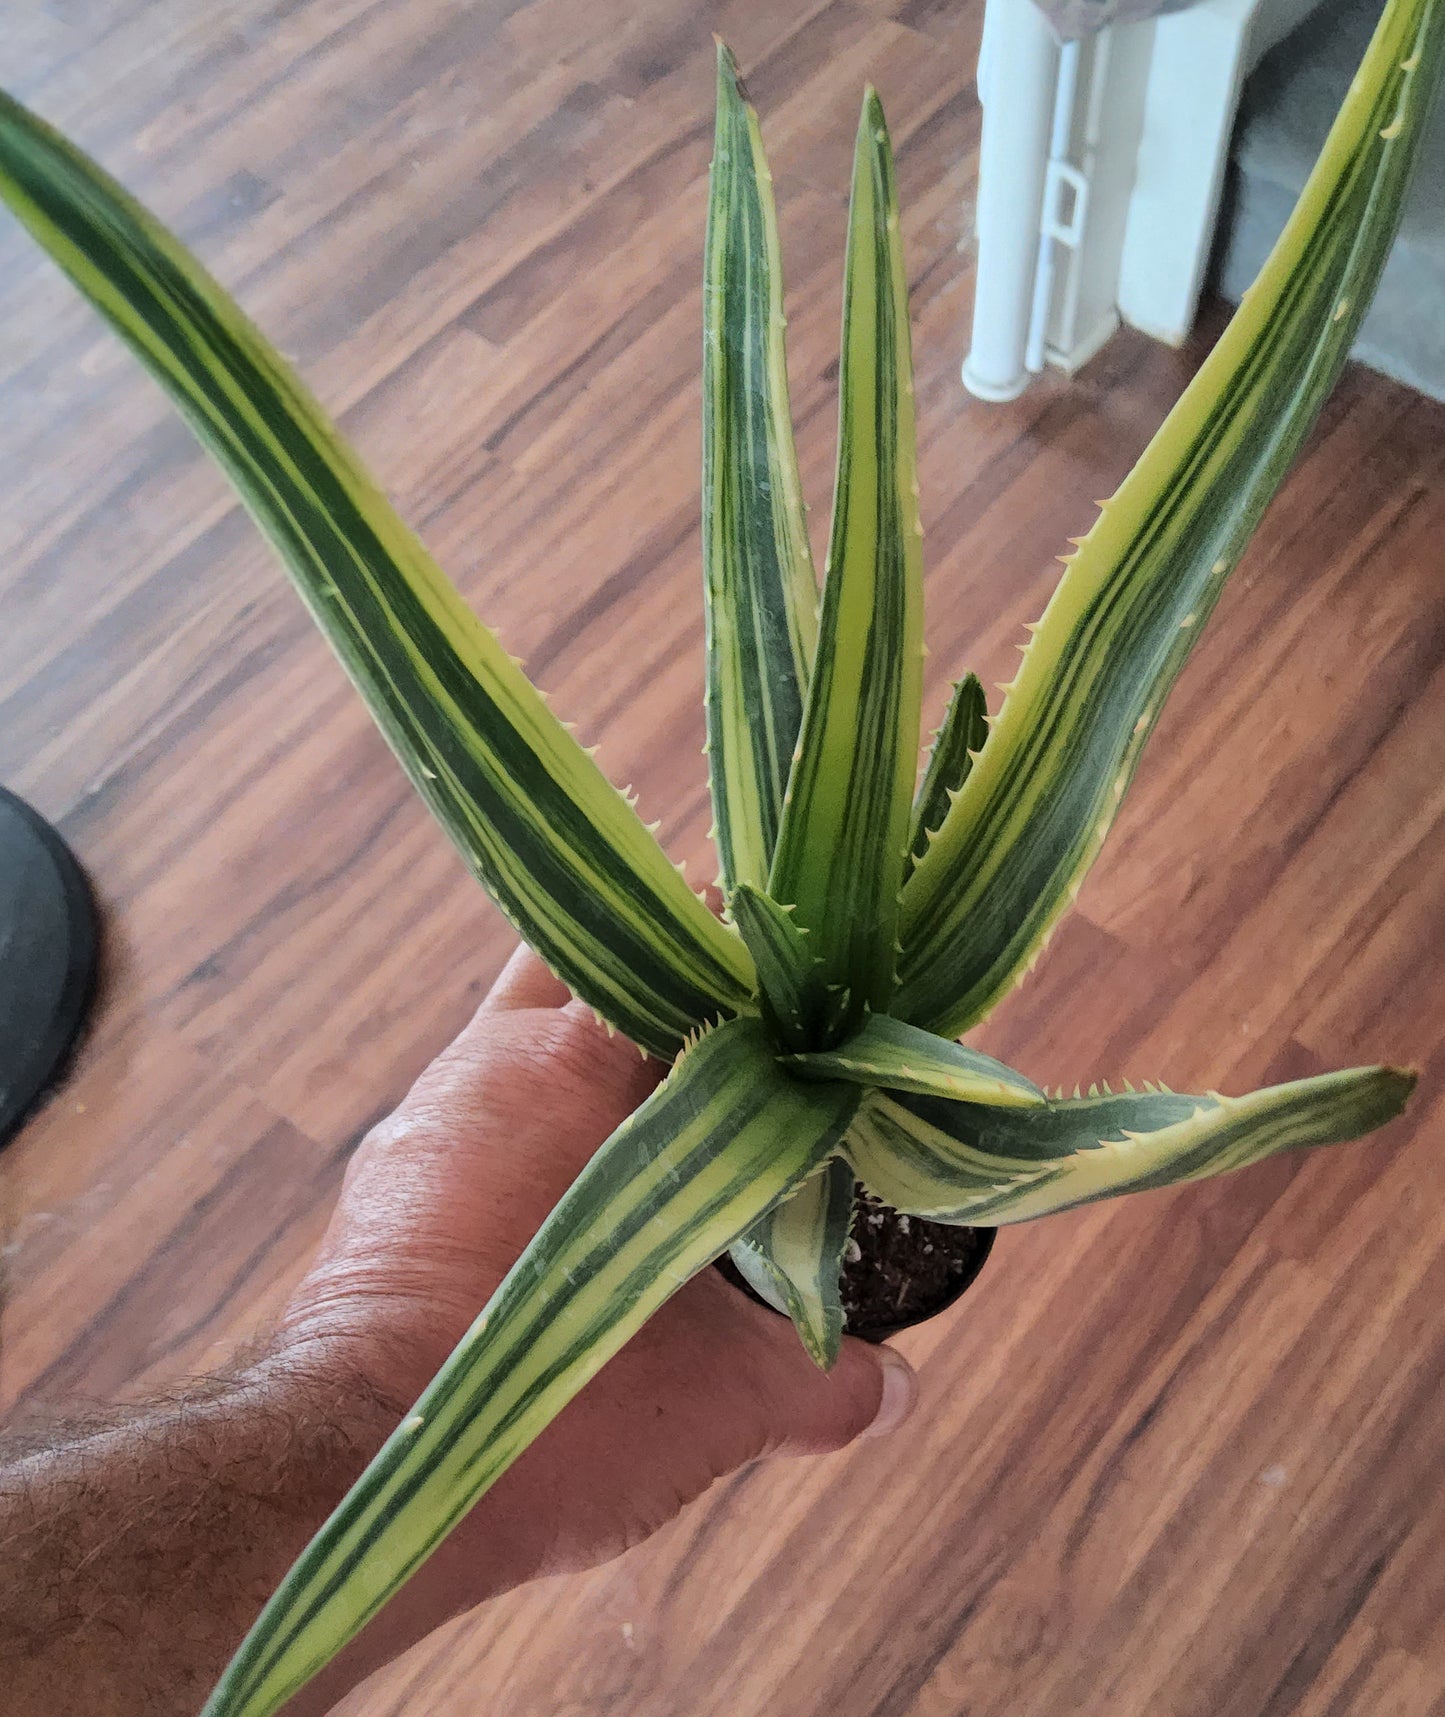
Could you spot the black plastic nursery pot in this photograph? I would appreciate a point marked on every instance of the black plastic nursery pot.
(898, 1270)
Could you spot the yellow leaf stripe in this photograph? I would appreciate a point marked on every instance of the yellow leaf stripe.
(761, 595)
(561, 850)
(955, 746)
(793, 1258)
(842, 845)
(900, 1057)
(1020, 836)
(700, 1162)
(964, 1163)
(792, 994)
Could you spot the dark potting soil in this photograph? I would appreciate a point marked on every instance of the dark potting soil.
(899, 1270)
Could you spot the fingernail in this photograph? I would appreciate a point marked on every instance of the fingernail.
(900, 1391)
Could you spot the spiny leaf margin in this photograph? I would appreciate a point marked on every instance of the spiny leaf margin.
(842, 845)
(956, 745)
(723, 1138)
(968, 1164)
(1029, 821)
(900, 1057)
(793, 1258)
(792, 991)
(761, 593)
(561, 851)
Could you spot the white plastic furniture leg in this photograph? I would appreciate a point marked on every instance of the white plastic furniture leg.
(1017, 76)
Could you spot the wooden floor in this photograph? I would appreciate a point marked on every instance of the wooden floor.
(1178, 1457)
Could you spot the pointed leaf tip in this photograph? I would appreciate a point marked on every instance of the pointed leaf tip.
(729, 1135)
(860, 722)
(727, 60)
(1150, 569)
(760, 591)
(1398, 1083)
(501, 774)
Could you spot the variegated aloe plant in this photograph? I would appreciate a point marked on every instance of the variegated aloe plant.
(812, 1038)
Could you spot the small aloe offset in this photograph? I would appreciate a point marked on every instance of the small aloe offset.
(812, 1033)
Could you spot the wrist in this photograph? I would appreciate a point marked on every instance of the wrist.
(330, 1398)
(140, 1542)
(380, 1348)
(363, 1366)
(354, 1381)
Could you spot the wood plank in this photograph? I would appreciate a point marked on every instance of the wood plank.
(1176, 1457)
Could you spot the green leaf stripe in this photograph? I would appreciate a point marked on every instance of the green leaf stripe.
(561, 850)
(761, 595)
(900, 1057)
(720, 1141)
(793, 1258)
(964, 1163)
(844, 835)
(794, 997)
(957, 742)
(1016, 843)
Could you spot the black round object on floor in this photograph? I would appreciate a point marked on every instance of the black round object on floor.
(47, 957)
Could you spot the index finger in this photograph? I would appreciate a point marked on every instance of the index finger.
(524, 982)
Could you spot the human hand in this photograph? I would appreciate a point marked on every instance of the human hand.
(437, 1204)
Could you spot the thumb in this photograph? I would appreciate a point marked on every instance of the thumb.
(869, 1392)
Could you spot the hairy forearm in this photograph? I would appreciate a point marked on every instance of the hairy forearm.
(138, 1544)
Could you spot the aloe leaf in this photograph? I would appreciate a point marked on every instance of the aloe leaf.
(762, 597)
(562, 851)
(1017, 842)
(964, 1163)
(726, 1136)
(844, 835)
(794, 996)
(900, 1057)
(957, 742)
(793, 1258)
